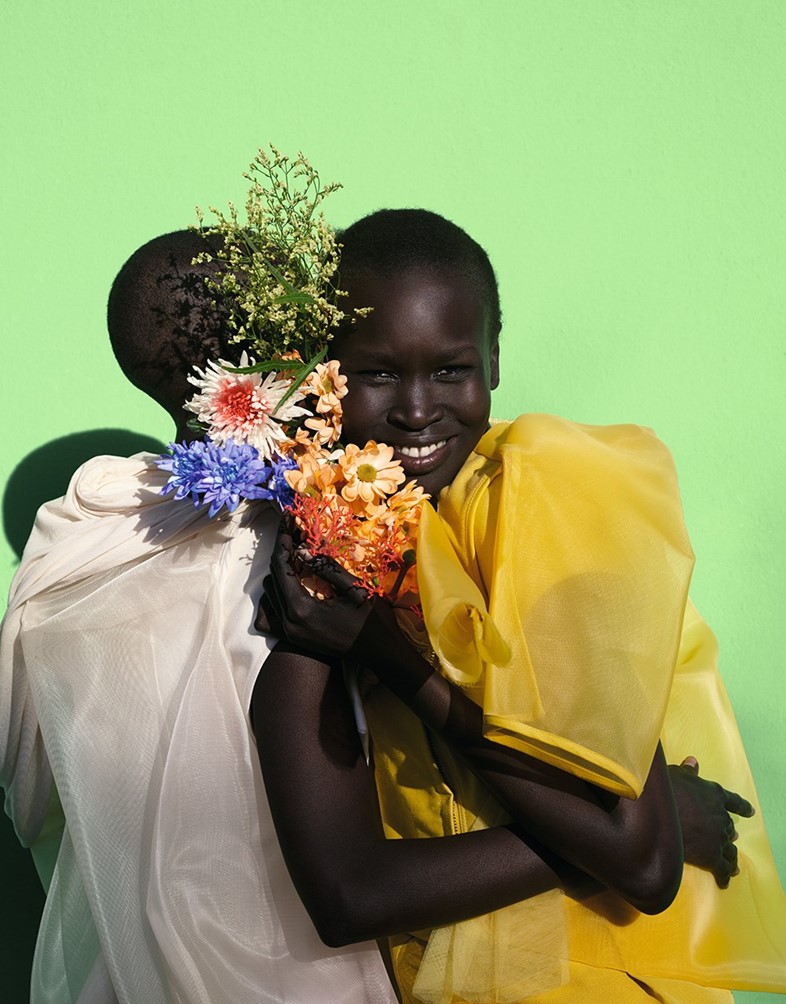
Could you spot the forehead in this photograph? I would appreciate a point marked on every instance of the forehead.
(421, 308)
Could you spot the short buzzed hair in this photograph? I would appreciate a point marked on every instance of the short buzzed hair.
(163, 319)
(390, 241)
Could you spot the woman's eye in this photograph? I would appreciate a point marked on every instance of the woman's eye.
(377, 376)
(452, 372)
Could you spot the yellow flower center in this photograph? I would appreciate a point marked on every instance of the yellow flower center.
(367, 472)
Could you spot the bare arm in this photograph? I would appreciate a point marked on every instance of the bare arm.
(354, 883)
(632, 847)
(635, 848)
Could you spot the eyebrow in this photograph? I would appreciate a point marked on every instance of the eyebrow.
(383, 359)
(373, 358)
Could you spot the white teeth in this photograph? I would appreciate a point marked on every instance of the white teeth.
(421, 451)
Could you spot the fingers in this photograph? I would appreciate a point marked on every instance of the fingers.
(266, 621)
(310, 600)
(284, 610)
(269, 619)
(289, 562)
(727, 867)
(283, 551)
(737, 804)
(342, 581)
(732, 802)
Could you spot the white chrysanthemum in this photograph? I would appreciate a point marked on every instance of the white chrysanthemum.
(243, 407)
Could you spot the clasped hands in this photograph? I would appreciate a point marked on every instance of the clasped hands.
(314, 603)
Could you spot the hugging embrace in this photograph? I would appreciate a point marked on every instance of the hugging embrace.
(357, 696)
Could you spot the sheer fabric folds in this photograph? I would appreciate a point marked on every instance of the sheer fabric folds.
(128, 660)
(573, 541)
(554, 587)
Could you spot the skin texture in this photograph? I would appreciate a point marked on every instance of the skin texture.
(355, 884)
(420, 371)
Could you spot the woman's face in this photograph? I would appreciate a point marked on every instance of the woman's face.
(420, 370)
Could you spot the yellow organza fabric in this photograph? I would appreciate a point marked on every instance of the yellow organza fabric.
(554, 578)
(531, 583)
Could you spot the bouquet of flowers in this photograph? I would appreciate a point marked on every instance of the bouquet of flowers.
(271, 425)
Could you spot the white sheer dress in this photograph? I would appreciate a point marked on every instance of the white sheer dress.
(126, 668)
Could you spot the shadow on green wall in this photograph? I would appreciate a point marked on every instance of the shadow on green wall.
(23, 900)
(42, 475)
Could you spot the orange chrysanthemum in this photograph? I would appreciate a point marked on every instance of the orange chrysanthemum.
(328, 385)
(314, 475)
(324, 431)
(371, 473)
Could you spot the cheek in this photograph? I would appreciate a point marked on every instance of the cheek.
(360, 408)
(475, 405)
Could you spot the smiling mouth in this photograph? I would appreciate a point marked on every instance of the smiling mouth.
(419, 452)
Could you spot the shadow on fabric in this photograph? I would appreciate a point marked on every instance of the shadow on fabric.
(42, 475)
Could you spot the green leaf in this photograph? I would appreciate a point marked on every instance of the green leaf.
(279, 277)
(301, 374)
(266, 366)
(294, 298)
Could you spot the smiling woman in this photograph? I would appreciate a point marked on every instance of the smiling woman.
(553, 582)
(420, 370)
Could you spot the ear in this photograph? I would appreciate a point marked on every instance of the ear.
(494, 365)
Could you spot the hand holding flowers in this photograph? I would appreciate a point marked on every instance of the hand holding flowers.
(328, 615)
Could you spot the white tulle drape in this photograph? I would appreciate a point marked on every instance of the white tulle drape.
(128, 660)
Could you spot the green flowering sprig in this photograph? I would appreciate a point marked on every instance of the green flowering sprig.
(277, 267)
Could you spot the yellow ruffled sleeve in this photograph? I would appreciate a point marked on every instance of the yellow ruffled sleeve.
(553, 583)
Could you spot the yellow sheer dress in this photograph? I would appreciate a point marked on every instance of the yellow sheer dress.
(554, 589)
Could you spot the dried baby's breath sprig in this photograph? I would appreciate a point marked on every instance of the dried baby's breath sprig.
(277, 267)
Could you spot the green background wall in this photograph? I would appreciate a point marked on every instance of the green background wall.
(622, 162)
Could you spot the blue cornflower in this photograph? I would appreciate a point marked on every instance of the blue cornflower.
(233, 472)
(186, 464)
(278, 486)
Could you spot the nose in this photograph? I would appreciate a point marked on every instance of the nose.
(417, 405)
